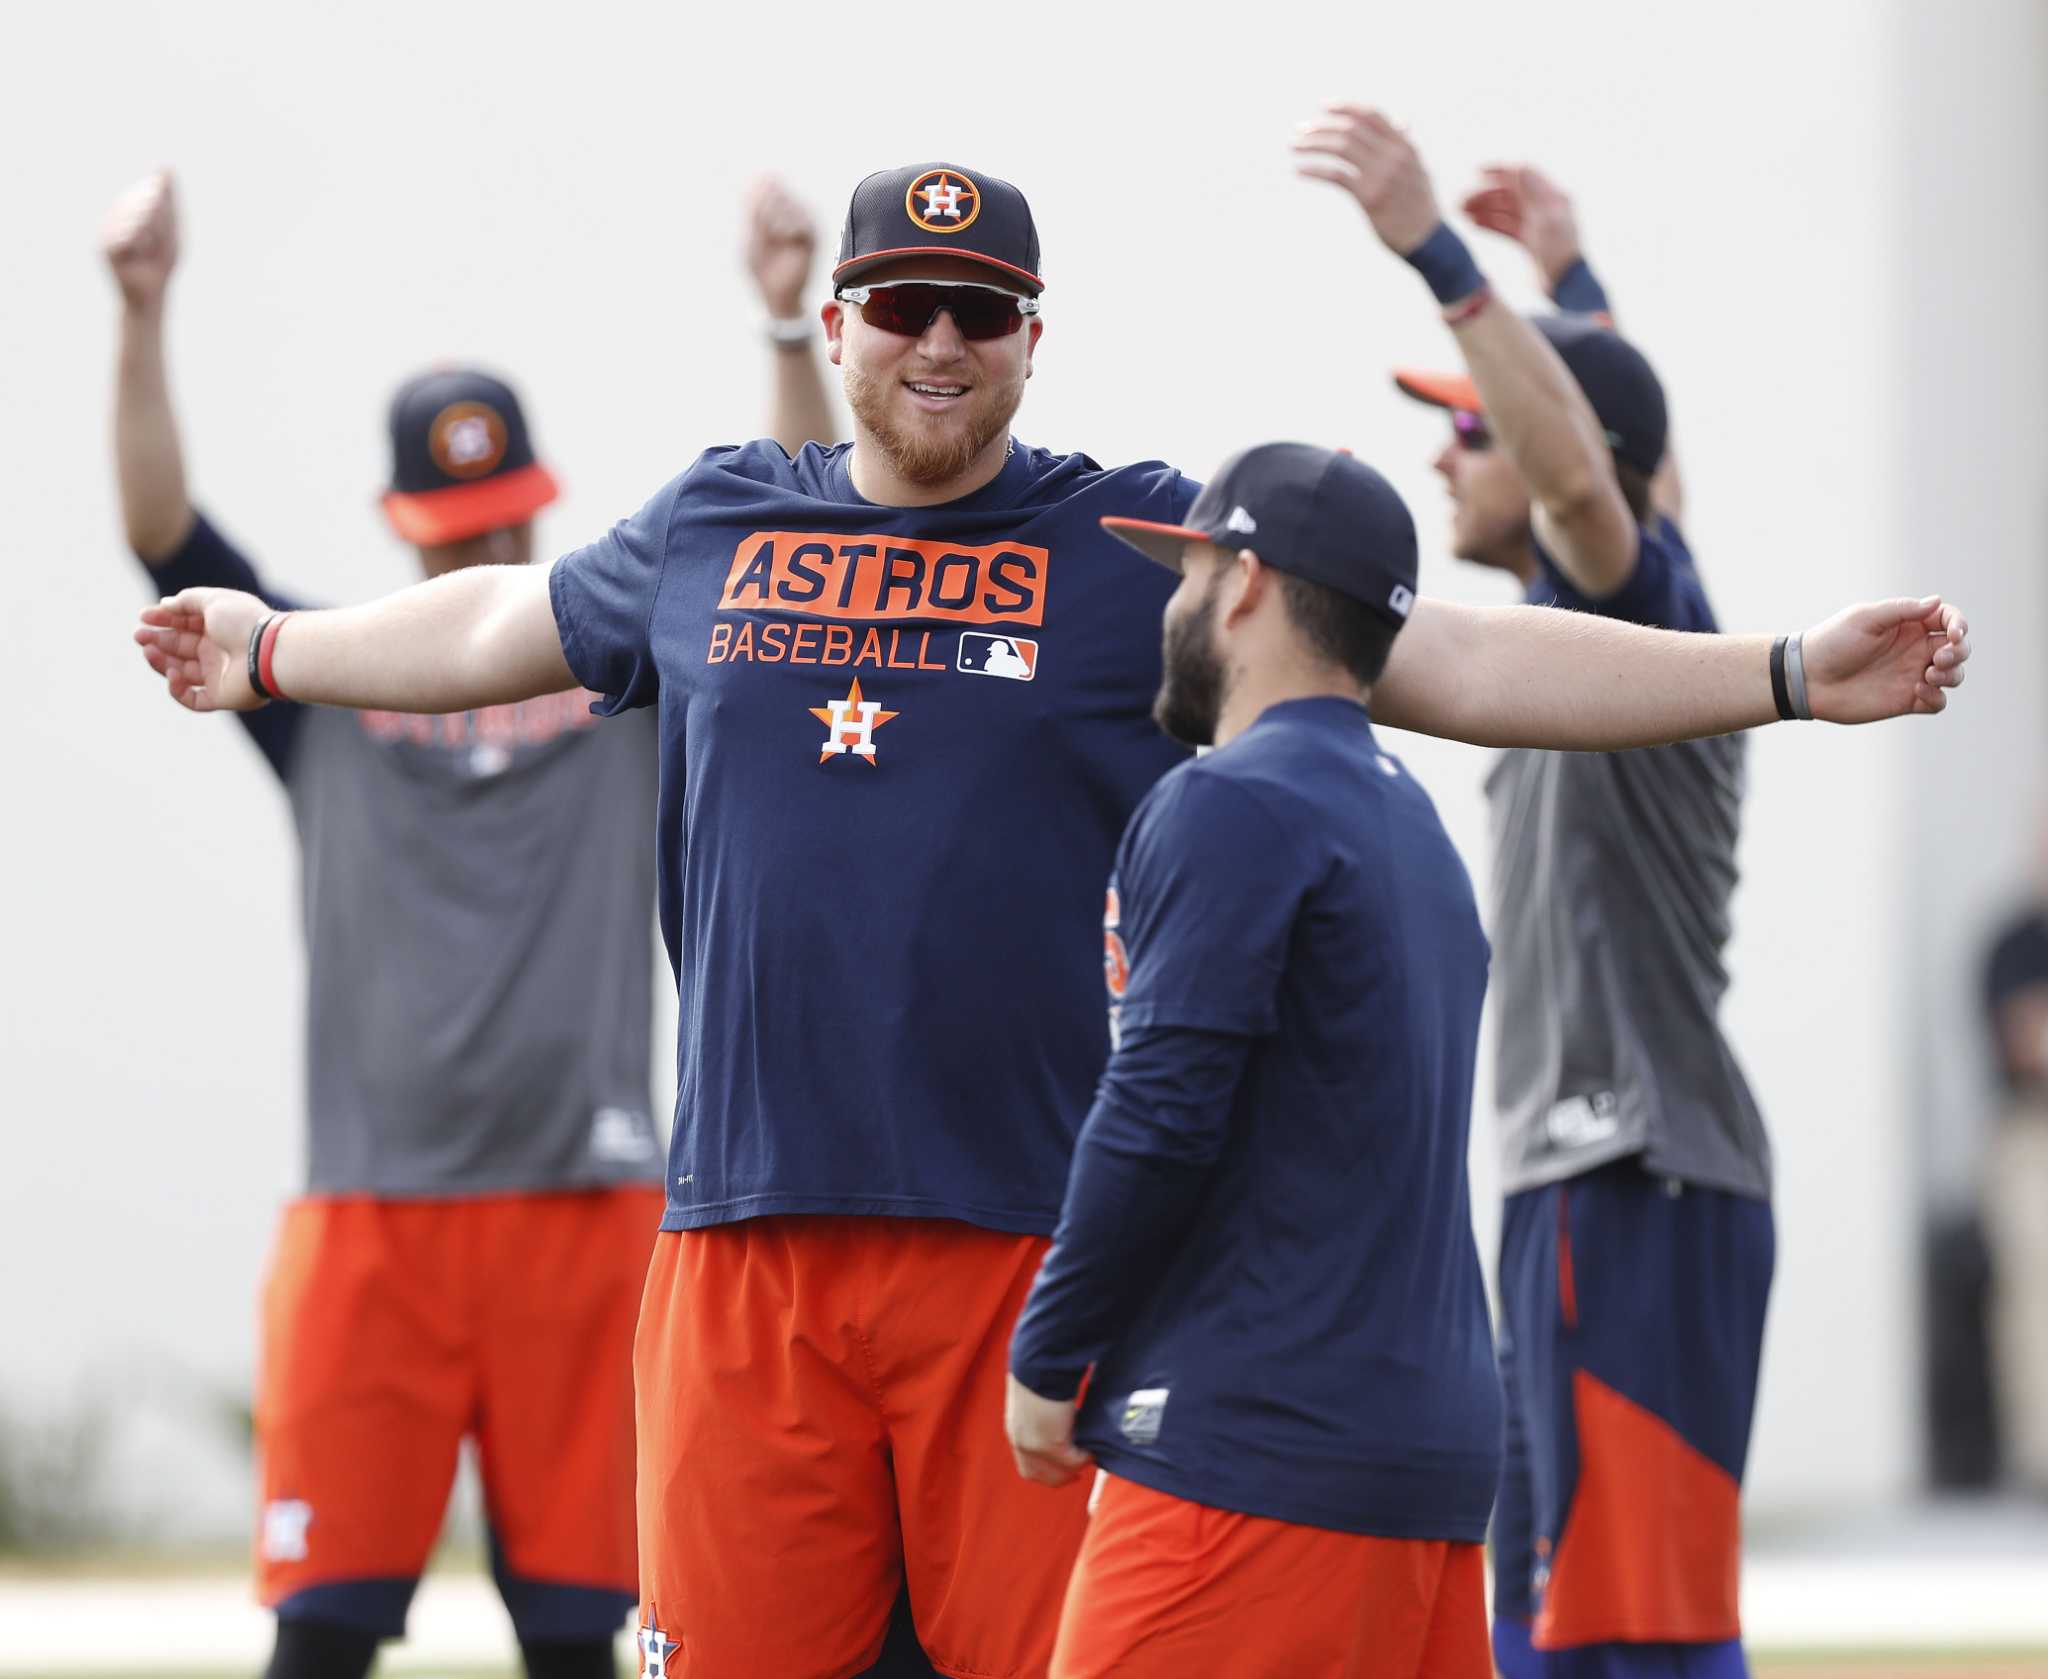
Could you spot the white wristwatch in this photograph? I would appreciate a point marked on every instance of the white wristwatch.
(786, 333)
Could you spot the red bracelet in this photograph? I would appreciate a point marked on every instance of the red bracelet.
(266, 648)
(1465, 308)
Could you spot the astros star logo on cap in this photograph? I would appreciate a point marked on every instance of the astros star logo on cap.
(467, 439)
(942, 201)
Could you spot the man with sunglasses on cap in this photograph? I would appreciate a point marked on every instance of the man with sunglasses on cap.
(482, 1177)
(1266, 1255)
(862, 797)
(1637, 1241)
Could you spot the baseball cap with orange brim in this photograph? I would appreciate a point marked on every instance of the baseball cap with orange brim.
(462, 461)
(1627, 397)
(939, 209)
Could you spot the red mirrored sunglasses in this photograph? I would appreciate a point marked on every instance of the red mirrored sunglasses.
(909, 307)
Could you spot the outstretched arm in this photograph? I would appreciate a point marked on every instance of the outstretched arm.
(1542, 676)
(484, 635)
(140, 242)
(782, 241)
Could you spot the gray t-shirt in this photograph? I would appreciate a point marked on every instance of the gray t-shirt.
(478, 894)
(1612, 878)
(479, 909)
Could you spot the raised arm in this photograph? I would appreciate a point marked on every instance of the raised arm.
(1538, 676)
(1533, 404)
(1520, 202)
(140, 242)
(484, 635)
(782, 241)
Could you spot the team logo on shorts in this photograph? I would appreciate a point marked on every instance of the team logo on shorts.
(467, 439)
(850, 726)
(943, 201)
(1013, 656)
(655, 1647)
(285, 1521)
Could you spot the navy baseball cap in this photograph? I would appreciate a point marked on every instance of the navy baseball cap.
(461, 460)
(1626, 395)
(1314, 513)
(937, 209)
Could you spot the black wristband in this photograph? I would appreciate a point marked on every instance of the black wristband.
(1780, 692)
(255, 657)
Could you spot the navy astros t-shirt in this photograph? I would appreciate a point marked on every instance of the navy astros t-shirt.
(898, 746)
(1316, 1348)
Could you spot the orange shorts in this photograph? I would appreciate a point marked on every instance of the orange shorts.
(1166, 1588)
(392, 1329)
(820, 1420)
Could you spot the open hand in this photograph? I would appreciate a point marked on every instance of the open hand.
(1042, 1436)
(1528, 207)
(1363, 152)
(139, 239)
(782, 243)
(198, 642)
(1893, 658)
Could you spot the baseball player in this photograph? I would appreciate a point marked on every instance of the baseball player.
(879, 868)
(481, 1192)
(1266, 1252)
(1637, 1243)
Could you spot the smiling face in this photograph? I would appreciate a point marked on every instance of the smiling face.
(935, 406)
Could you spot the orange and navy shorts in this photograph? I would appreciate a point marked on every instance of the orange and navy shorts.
(1166, 1588)
(1632, 1318)
(821, 1422)
(392, 1329)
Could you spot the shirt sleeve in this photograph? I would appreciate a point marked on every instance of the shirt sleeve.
(207, 560)
(1663, 591)
(604, 597)
(1141, 1167)
(1209, 885)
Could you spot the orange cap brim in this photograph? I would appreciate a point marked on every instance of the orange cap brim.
(1163, 543)
(1444, 390)
(434, 517)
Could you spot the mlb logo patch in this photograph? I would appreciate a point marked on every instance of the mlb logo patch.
(999, 655)
(1144, 1411)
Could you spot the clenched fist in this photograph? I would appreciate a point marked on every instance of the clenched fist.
(139, 239)
(782, 241)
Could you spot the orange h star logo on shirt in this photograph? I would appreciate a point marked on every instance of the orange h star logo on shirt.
(850, 726)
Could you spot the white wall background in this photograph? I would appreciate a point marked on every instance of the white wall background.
(1824, 222)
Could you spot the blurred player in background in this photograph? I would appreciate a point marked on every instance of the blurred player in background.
(1637, 1242)
(2016, 1183)
(1266, 1252)
(881, 862)
(481, 1189)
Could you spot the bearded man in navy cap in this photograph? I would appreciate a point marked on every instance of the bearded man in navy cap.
(1265, 1255)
